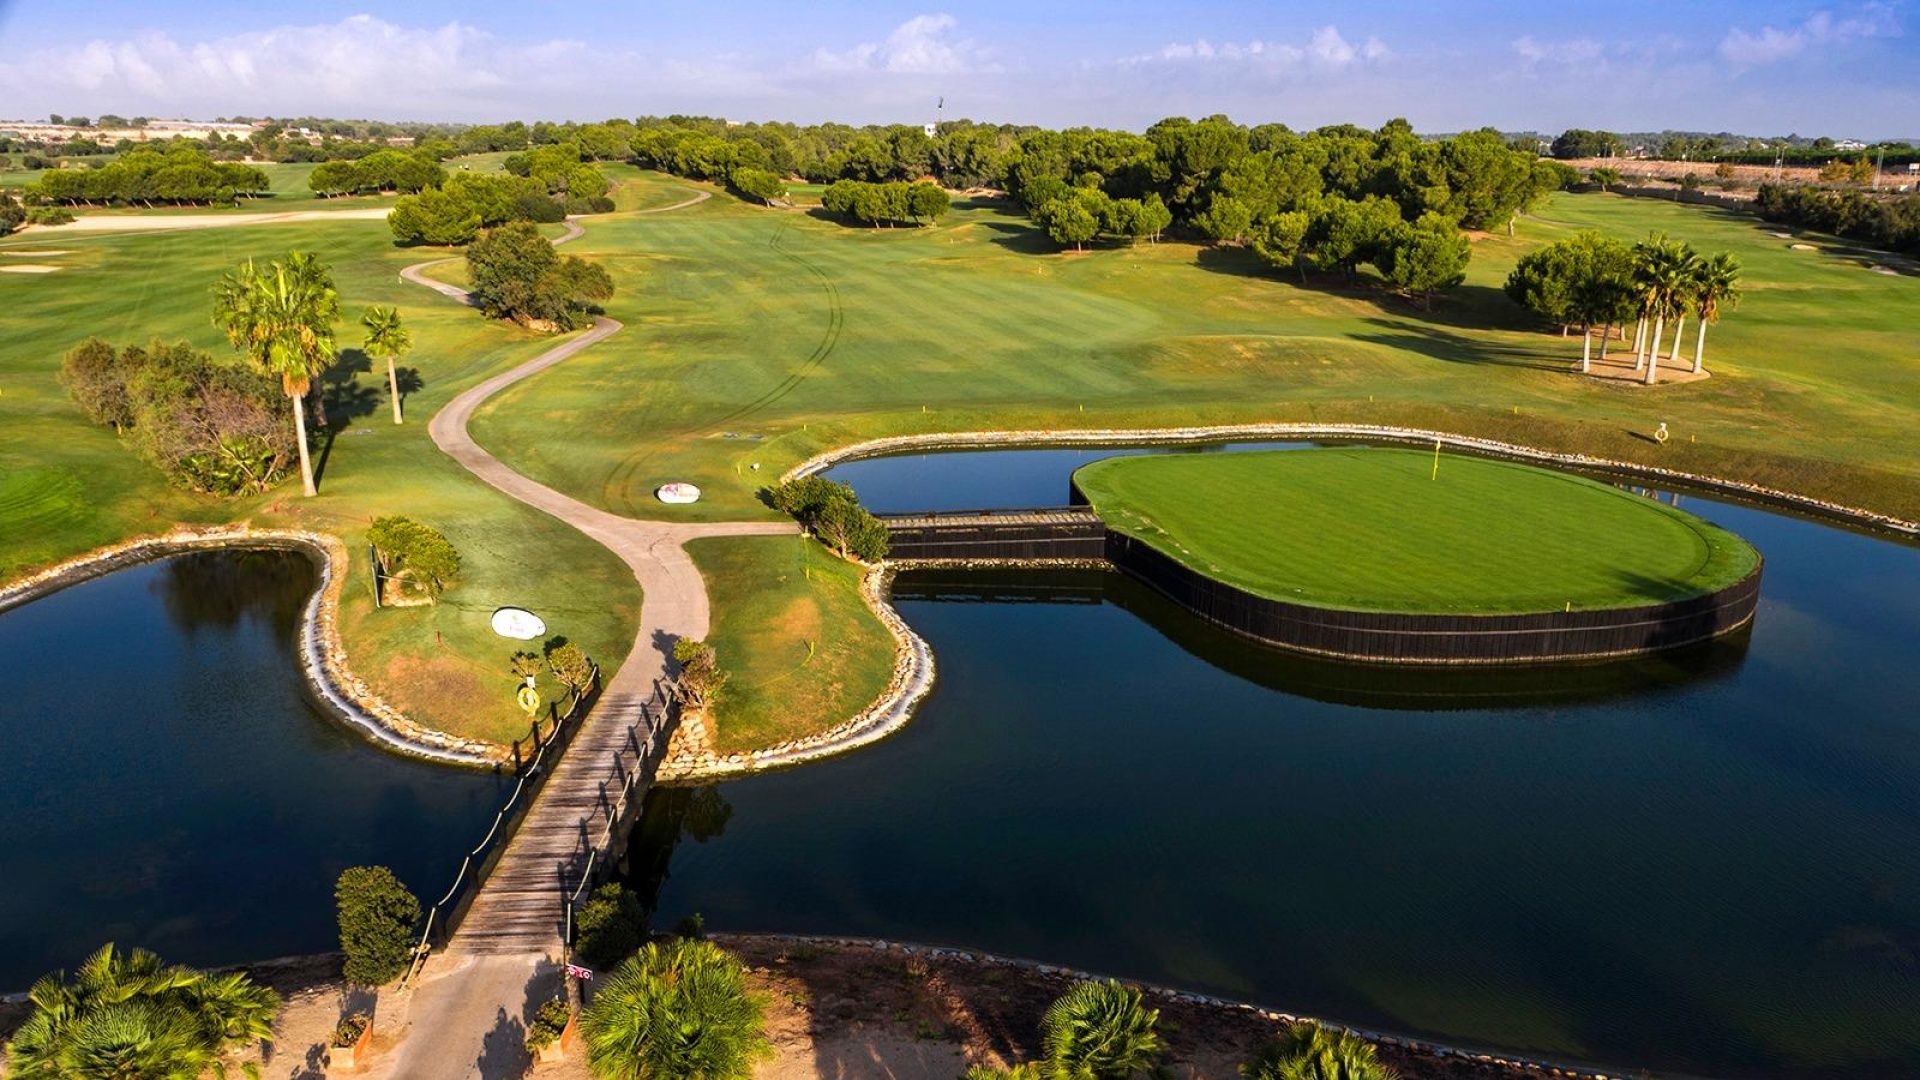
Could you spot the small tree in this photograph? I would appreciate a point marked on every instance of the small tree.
(701, 679)
(96, 377)
(1099, 1031)
(524, 665)
(1605, 177)
(414, 554)
(759, 184)
(927, 203)
(833, 512)
(609, 927)
(1426, 258)
(387, 338)
(377, 916)
(570, 666)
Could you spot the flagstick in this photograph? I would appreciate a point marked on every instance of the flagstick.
(1436, 460)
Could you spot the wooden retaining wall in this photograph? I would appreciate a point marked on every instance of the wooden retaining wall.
(1078, 535)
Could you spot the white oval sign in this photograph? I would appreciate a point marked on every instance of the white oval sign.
(677, 493)
(518, 623)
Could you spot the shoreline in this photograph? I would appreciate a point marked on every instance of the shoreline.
(339, 692)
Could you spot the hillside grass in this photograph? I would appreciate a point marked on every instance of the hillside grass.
(802, 649)
(1374, 529)
(761, 336)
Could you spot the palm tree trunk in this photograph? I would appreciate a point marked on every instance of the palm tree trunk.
(1640, 344)
(1700, 347)
(300, 437)
(393, 387)
(1653, 358)
(1679, 335)
(1605, 336)
(1586, 348)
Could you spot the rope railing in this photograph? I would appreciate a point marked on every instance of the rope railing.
(530, 774)
(643, 754)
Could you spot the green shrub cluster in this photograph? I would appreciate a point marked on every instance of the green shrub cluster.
(212, 427)
(832, 512)
(418, 556)
(918, 203)
(180, 174)
(377, 916)
(516, 274)
(609, 927)
(382, 170)
(1888, 222)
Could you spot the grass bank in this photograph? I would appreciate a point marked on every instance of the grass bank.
(803, 650)
(1376, 529)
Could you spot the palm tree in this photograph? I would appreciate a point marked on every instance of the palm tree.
(1099, 1031)
(126, 1015)
(675, 1012)
(386, 337)
(1687, 269)
(1717, 286)
(1311, 1052)
(1657, 283)
(281, 318)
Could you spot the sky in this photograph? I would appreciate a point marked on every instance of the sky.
(1764, 67)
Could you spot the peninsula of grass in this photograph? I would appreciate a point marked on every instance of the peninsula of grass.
(1377, 529)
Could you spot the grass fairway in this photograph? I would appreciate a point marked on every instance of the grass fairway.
(763, 336)
(803, 651)
(1375, 529)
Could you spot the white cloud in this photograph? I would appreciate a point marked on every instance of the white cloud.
(1326, 50)
(1768, 45)
(920, 46)
(1578, 51)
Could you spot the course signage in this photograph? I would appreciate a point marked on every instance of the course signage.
(518, 623)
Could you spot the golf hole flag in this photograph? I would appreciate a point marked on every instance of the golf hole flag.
(575, 971)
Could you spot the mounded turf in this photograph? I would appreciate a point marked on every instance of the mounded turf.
(1377, 529)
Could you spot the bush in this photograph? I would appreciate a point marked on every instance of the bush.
(351, 1029)
(701, 679)
(674, 1011)
(517, 275)
(832, 512)
(1311, 1052)
(49, 215)
(570, 665)
(412, 554)
(377, 916)
(1099, 1031)
(609, 927)
(549, 1020)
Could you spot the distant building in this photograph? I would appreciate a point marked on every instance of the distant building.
(931, 128)
(1849, 144)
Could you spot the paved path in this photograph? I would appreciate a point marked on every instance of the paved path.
(475, 993)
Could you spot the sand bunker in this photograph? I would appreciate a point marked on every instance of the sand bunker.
(1801, 247)
(1887, 270)
(27, 268)
(34, 252)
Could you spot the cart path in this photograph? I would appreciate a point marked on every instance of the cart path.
(511, 934)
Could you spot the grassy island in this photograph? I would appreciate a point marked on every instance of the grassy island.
(1376, 529)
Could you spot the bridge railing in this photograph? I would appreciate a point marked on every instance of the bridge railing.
(988, 512)
(594, 855)
(532, 772)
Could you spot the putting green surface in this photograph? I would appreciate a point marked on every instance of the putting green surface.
(1375, 529)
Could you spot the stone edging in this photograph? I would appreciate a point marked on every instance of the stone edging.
(1167, 993)
(323, 658)
(1220, 432)
(912, 679)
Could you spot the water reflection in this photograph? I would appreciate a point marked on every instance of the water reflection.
(207, 589)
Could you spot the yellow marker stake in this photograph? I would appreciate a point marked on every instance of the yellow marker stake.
(1436, 460)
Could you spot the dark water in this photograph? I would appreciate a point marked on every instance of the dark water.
(1705, 863)
(169, 785)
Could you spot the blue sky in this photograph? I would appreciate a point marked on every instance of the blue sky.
(1763, 67)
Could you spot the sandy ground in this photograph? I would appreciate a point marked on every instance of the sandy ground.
(30, 253)
(141, 223)
(1618, 366)
(27, 268)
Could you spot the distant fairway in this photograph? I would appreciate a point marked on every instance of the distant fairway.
(1373, 529)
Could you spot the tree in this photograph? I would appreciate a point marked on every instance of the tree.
(126, 1015)
(678, 1011)
(833, 512)
(1099, 1031)
(377, 915)
(517, 275)
(759, 184)
(1311, 1052)
(609, 927)
(281, 319)
(11, 213)
(1068, 220)
(1280, 240)
(1605, 177)
(1659, 281)
(1225, 220)
(927, 203)
(570, 665)
(415, 554)
(1717, 286)
(1427, 257)
(96, 379)
(700, 679)
(387, 338)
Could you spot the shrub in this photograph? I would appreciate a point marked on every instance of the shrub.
(1099, 1031)
(675, 1011)
(351, 1029)
(377, 916)
(49, 215)
(416, 555)
(517, 275)
(832, 512)
(549, 1020)
(609, 927)
(701, 678)
(570, 665)
(1311, 1052)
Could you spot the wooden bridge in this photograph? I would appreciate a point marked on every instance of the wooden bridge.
(1042, 534)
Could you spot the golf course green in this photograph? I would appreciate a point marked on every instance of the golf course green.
(1396, 530)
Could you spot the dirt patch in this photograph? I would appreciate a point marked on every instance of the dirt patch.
(28, 268)
(1619, 367)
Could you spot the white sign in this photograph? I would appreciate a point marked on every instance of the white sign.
(677, 493)
(518, 623)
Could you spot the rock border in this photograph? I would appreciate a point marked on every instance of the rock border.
(1511, 1062)
(982, 440)
(323, 657)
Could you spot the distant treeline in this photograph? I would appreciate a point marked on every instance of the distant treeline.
(181, 175)
(1892, 223)
(544, 184)
(1737, 149)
